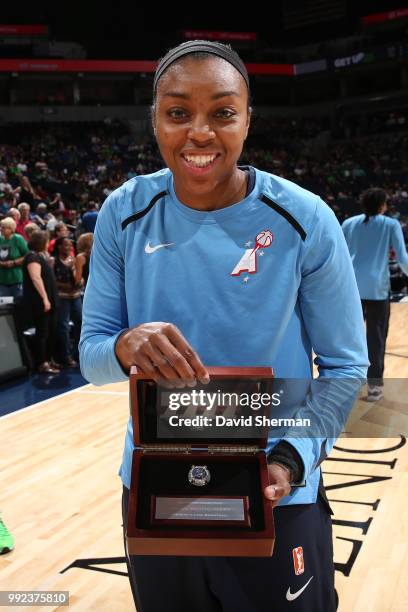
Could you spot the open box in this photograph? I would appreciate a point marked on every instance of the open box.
(192, 494)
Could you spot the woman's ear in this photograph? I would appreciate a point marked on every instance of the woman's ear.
(248, 123)
(152, 118)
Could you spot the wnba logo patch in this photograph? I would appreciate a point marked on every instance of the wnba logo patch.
(298, 560)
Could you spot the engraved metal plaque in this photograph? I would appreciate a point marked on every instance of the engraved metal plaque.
(200, 510)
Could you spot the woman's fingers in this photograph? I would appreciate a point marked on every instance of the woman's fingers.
(177, 367)
(188, 353)
(163, 353)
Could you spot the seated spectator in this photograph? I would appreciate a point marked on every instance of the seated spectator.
(61, 231)
(84, 247)
(90, 217)
(29, 229)
(70, 303)
(24, 210)
(42, 216)
(14, 213)
(56, 204)
(40, 301)
(13, 248)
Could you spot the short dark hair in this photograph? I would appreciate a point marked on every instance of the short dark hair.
(372, 200)
(38, 241)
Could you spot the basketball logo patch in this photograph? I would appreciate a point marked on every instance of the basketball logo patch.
(298, 560)
(248, 261)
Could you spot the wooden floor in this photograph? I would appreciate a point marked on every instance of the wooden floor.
(60, 496)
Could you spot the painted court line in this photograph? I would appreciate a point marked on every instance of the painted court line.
(36, 405)
(103, 392)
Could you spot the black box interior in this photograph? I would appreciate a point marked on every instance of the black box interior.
(167, 475)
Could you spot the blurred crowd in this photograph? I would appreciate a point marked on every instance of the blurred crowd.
(55, 177)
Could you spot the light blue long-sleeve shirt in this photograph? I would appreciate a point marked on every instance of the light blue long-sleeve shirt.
(369, 245)
(234, 305)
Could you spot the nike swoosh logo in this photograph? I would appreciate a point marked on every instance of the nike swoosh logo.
(292, 596)
(151, 249)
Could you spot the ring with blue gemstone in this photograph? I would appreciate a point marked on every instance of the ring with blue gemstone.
(199, 475)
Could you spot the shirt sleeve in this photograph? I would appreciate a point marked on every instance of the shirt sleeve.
(398, 244)
(32, 257)
(331, 309)
(104, 309)
(22, 247)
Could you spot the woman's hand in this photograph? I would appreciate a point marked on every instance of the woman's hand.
(279, 478)
(47, 304)
(163, 353)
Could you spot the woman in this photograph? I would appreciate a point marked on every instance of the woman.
(13, 248)
(60, 231)
(84, 247)
(69, 297)
(181, 261)
(370, 237)
(40, 298)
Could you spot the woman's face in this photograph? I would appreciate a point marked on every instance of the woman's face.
(201, 120)
(65, 247)
(6, 232)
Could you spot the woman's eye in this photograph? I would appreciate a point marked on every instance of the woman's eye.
(177, 113)
(225, 113)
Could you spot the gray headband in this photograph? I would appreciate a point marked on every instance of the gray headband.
(206, 46)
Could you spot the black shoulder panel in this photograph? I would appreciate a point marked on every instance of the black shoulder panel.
(143, 212)
(284, 213)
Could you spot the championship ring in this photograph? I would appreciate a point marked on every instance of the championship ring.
(199, 475)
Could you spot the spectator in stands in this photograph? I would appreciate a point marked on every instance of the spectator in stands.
(29, 229)
(70, 303)
(14, 213)
(61, 231)
(90, 217)
(370, 238)
(42, 216)
(24, 210)
(40, 300)
(84, 247)
(56, 204)
(13, 248)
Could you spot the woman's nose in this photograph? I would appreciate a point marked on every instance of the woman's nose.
(201, 131)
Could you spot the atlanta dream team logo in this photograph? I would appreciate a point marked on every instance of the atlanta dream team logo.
(248, 262)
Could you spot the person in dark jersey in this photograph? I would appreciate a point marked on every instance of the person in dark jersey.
(208, 263)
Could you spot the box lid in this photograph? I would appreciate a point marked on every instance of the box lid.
(230, 413)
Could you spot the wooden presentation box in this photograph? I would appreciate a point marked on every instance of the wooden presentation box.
(223, 512)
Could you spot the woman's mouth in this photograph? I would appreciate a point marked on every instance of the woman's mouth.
(200, 163)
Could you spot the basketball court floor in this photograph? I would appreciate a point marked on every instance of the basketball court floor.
(60, 495)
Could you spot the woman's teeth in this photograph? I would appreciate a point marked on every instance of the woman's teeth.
(200, 161)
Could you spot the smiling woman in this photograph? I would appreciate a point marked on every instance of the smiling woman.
(206, 263)
(201, 117)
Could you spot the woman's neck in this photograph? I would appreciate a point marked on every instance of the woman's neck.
(223, 195)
